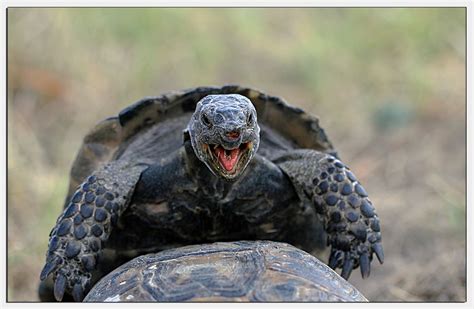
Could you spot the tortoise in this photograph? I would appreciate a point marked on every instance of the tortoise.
(244, 271)
(203, 165)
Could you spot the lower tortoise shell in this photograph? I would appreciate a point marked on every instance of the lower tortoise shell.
(247, 271)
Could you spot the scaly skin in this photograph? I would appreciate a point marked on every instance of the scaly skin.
(229, 121)
(350, 219)
(76, 241)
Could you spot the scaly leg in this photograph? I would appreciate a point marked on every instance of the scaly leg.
(76, 241)
(349, 217)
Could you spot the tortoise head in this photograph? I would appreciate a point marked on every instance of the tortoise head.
(224, 133)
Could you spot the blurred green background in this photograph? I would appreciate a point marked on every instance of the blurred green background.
(387, 83)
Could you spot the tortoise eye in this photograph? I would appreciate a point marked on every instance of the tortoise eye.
(250, 119)
(206, 120)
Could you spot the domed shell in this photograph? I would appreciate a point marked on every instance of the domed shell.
(247, 271)
(281, 125)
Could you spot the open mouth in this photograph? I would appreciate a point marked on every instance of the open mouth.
(229, 161)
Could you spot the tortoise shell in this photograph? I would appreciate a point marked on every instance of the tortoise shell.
(282, 126)
(247, 271)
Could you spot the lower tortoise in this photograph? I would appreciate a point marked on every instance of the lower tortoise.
(244, 271)
(204, 165)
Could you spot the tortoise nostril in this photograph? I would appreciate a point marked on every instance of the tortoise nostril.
(233, 134)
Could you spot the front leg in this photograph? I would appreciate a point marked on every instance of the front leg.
(86, 223)
(349, 218)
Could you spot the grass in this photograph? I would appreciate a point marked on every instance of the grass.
(388, 85)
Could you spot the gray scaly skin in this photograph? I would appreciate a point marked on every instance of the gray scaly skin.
(216, 187)
(230, 122)
(84, 226)
(350, 219)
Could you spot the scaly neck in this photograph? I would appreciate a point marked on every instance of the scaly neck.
(211, 185)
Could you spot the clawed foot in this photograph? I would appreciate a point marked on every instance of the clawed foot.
(357, 255)
(352, 224)
(77, 238)
(70, 264)
(69, 275)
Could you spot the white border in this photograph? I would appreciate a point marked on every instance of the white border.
(236, 3)
(248, 3)
(469, 152)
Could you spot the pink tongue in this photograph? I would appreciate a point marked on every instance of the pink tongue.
(228, 161)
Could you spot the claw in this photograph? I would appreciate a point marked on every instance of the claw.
(347, 268)
(86, 284)
(364, 265)
(48, 269)
(59, 287)
(77, 292)
(378, 249)
(334, 258)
